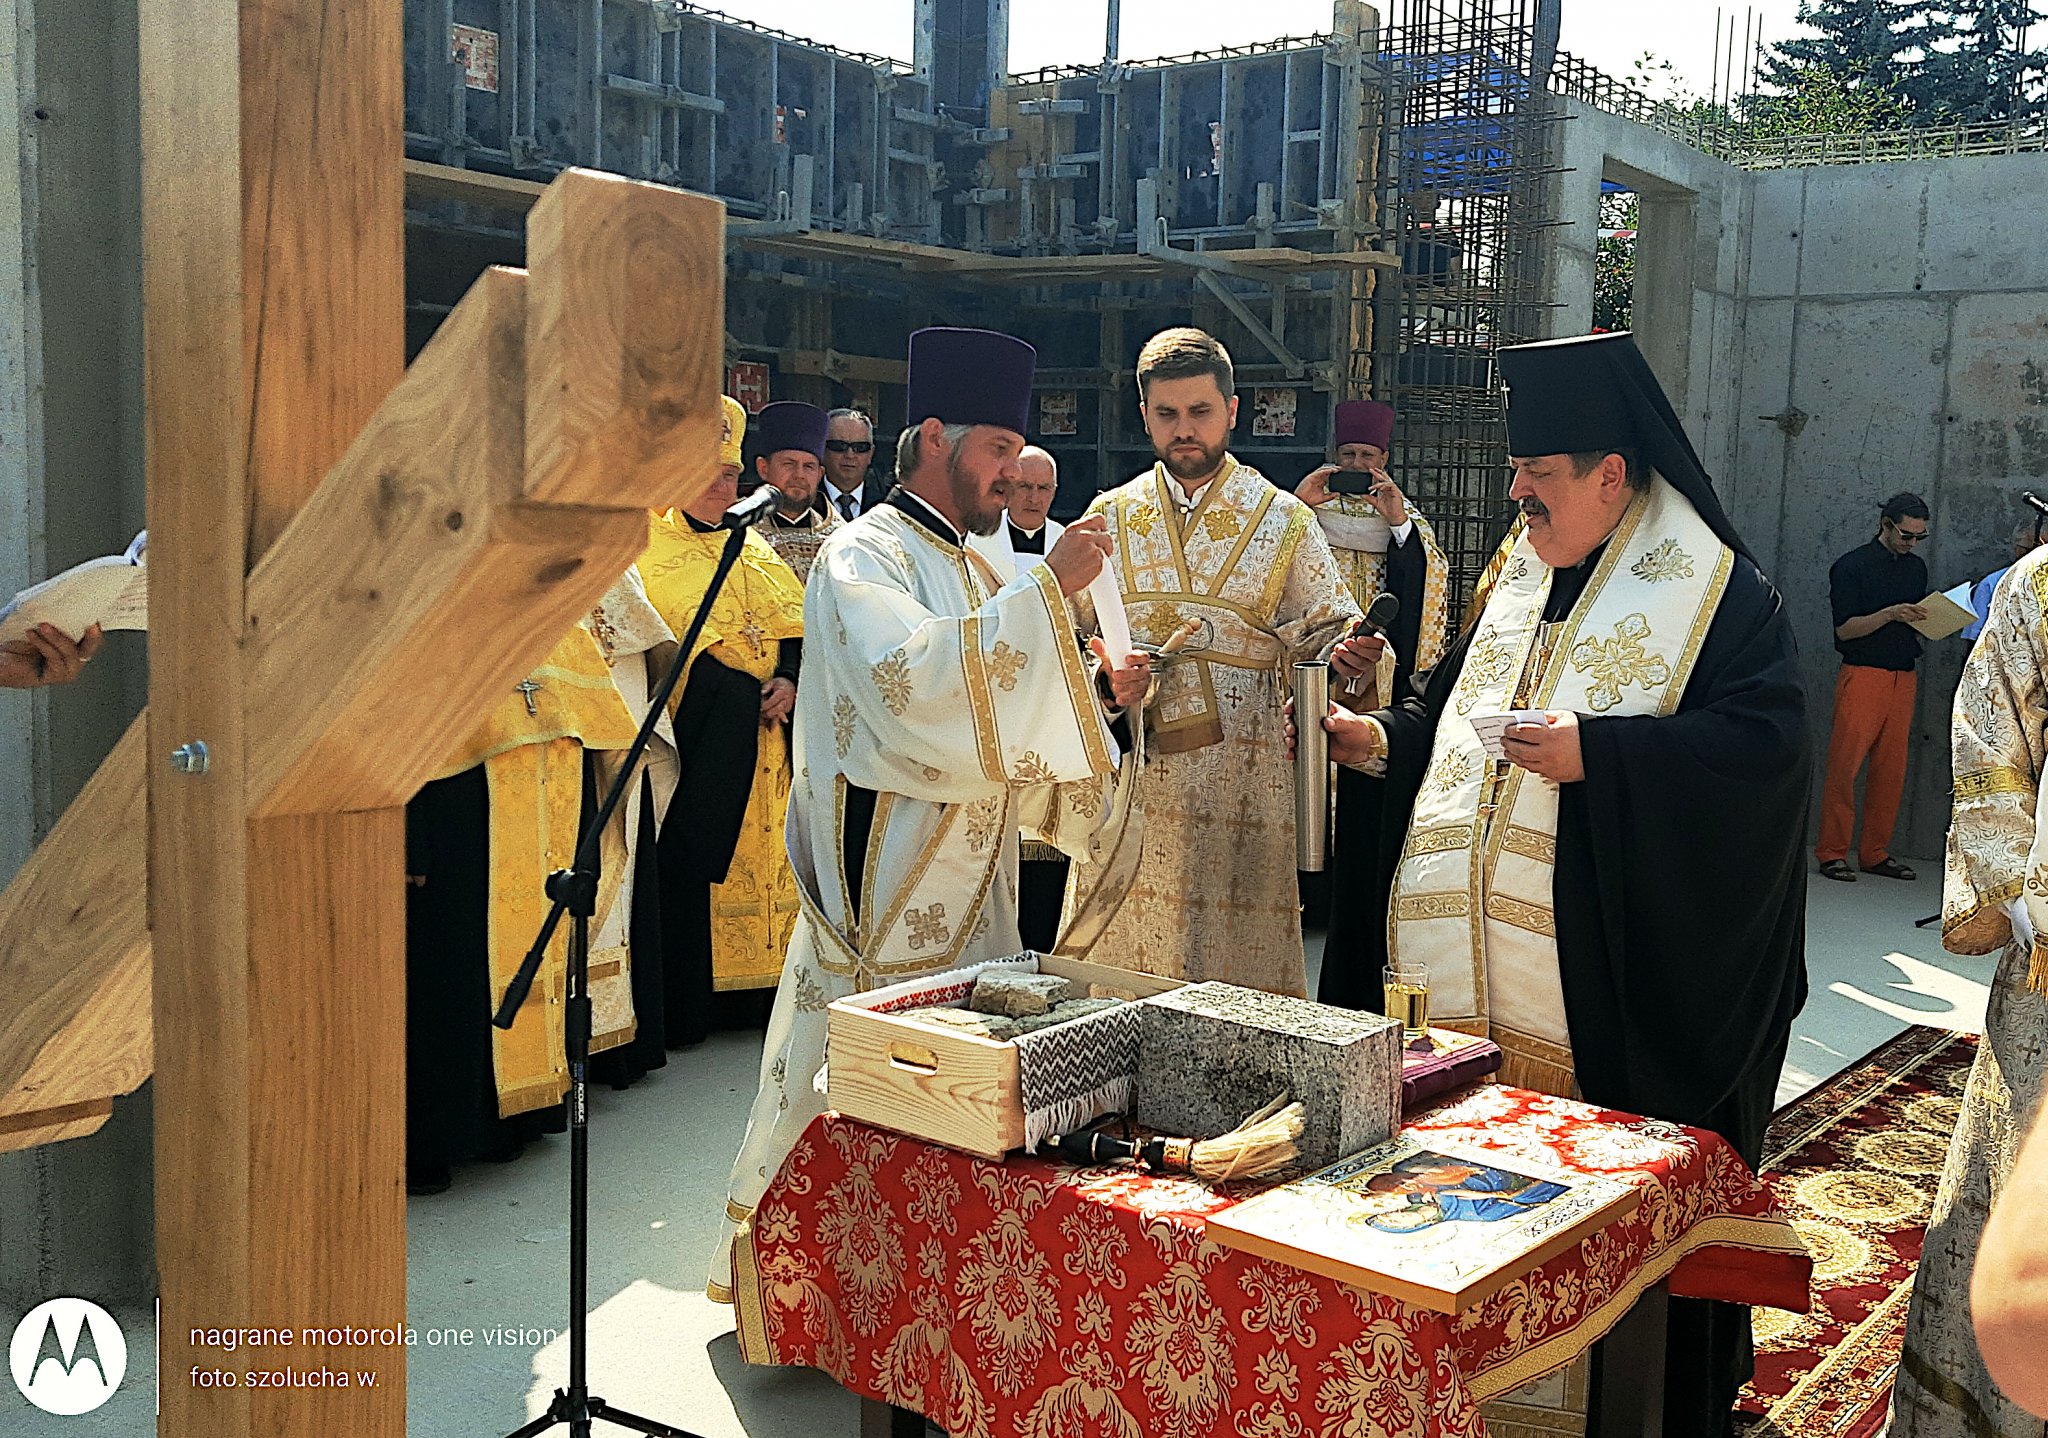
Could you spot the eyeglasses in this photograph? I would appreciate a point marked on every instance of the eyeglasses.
(1911, 536)
(850, 446)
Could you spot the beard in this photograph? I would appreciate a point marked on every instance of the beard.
(1181, 466)
(979, 513)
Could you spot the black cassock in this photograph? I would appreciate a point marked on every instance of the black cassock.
(451, 1112)
(1680, 895)
(1358, 904)
(718, 735)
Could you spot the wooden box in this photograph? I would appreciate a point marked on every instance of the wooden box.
(956, 1089)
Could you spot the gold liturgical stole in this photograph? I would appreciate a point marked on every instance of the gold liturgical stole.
(1473, 897)
(1176, 568)
(532, 752)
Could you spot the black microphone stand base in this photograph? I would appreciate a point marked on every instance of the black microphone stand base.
(574, 894)
(580, 1412)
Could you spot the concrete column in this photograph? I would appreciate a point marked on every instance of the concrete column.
(1575, 243)
(75, 1217)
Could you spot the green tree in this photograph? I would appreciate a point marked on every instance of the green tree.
(1988, 73)
(1863, 44)
(1817, 101)
(1614, 262)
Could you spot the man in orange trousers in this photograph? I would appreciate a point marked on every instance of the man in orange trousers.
(1874, 589)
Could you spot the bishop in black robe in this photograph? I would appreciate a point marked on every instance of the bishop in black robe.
(1679, 889)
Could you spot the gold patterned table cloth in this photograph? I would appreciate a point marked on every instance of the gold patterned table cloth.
(1035, 1299)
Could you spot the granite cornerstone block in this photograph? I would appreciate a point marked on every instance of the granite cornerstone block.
(1210, 1053)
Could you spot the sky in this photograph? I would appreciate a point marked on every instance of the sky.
(1612, 34)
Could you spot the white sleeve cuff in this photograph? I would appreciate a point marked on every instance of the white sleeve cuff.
(2022, 922)
(1402, 530)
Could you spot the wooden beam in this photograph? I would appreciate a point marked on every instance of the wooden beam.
(421, 544)
(623, 269)
(274, 324)
(74, 956)
(425, 180)
(195, 430)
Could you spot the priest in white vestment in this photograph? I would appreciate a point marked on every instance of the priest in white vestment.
(939, 705)
(1201, 537)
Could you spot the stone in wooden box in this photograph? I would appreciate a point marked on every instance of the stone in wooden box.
(1210, 1053)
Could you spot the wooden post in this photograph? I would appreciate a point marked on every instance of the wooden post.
(273, 248)
(349, 570)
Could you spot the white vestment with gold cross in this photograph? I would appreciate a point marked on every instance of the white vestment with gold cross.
(1473, 897)
(965, 705)
(1215, 896)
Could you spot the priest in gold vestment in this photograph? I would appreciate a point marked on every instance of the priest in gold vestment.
(1202, 537)
(728, 898)
(507, 810)
(1994, 901)
(942, 706)
(1617, 898)
(791, 458)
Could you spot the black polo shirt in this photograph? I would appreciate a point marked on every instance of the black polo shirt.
(1869, 578)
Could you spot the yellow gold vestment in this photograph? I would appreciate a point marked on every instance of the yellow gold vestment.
(761, 605)
(531, 748)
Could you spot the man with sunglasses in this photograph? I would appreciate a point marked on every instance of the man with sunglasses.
(849, 447)
(1875, 589)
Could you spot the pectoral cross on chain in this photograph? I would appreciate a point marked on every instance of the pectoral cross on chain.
(528, 688)
(753, 634)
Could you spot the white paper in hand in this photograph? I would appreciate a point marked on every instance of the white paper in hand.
(1492, 728)
(1109, 614)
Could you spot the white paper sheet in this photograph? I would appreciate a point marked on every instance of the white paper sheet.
(1492, 728)
(1109, 614)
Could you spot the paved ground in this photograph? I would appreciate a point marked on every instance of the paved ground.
(489, 1253)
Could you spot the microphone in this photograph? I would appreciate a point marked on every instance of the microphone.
(753, 509)
(1381, 614)
(2039, 505)
(1379, 618)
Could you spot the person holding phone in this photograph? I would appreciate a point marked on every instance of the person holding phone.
(1381, 546)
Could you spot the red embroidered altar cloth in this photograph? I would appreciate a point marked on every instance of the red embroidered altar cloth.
(1033, 1299)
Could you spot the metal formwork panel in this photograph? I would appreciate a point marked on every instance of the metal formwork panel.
(658, 91)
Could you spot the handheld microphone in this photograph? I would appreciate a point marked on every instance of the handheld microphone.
(1380, 614)
(753, 509)
(1379, 618)
(2039, 505)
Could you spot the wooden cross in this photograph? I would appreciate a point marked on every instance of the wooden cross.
(419, 539)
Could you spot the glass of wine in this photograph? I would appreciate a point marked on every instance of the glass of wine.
(1407, 990)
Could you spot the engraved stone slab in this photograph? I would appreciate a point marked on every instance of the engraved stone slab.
(1017, 996)
(1210, 1053)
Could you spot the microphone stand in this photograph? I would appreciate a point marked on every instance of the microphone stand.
(574, 892)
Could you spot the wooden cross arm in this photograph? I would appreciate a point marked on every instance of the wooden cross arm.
(74, 961)
(418, 586)
(437, 563)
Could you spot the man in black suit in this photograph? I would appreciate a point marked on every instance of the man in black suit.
(848, 490)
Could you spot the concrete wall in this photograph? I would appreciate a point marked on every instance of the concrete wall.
(1689, 255)
(1904, 307)
(75, 1217)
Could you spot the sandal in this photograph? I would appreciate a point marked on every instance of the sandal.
(1890, 869)
(1838, 869)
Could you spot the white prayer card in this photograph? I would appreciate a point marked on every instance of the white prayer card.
(1492, 728)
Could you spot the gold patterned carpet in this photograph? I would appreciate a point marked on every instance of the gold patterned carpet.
(1855, 1163)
